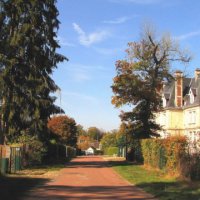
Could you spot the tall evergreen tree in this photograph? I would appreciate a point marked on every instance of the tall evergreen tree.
(27, 59)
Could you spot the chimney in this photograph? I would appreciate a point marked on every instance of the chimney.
(178, 88)
(197, 73)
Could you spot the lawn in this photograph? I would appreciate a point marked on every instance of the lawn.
(15, 186)
(157, 183)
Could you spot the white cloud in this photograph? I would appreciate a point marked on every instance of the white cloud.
(91, 38)
(188, 35)
(137, 1)
(64, 42)
(119, 20)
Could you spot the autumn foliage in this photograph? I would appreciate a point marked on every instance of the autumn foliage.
(84, 142)
(174, 155)
(139, 77)
(64, 128)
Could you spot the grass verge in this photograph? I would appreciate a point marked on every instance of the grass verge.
(157, 183)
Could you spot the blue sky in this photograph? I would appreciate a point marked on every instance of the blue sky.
(94, 34)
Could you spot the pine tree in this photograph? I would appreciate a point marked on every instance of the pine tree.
(27, 59)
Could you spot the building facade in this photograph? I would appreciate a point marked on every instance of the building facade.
(181, 107)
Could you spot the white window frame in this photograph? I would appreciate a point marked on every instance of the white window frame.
(192, 117)
(191, 97)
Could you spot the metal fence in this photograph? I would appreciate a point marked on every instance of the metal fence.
(10, 159)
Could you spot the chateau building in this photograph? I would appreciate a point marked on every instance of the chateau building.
(181, 107)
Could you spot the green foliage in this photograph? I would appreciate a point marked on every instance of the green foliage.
(167, 154)
(134, 152)
(94, 133)
(111, 151)
(71, 152)
(81, 131)
(109, 140)
(157, 183)
(98, 152)
(190, 165)
(175, 148)
(58, 153)
(171, 155)
(151, 150)
(139, 80)
(27, 59)
(34, 150)
(194, 167)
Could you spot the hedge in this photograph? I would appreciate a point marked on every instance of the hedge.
(98, 152)
(59, 153)
(172, 155)
(71, 152)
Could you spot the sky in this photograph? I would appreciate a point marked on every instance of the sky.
(93, 35)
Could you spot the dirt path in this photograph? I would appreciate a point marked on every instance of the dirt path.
(87, 178)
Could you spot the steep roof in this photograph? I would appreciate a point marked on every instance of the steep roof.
(191, 86)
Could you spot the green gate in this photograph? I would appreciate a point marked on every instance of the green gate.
(15, 159)
(4, 159)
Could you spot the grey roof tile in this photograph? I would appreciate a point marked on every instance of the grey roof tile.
(188, 84)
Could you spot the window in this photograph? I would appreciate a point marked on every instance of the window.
(192, 117)
(164, 102)
(192, 95)
(191, 98)
(193, 136)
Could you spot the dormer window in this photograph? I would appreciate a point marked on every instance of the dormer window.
(164, 102)
(165, 99)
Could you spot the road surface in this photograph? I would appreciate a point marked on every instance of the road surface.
(87, 178)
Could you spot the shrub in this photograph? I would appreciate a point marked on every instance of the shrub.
(191, 164)
(71, 152)
(134, 151)
(98, 152)
(33, 150)
(59, 153)
(194, 167)
(176, 153)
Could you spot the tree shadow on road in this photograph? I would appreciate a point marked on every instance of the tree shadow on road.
(14, 188)
(60, 192)
(96, 164)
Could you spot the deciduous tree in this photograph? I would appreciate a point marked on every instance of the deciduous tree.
(64, 128)
(109, 140)
(94, 133)
(139, 78)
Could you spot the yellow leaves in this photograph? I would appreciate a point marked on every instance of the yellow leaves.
(117, 101)
(172, 150)
(116, 79)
